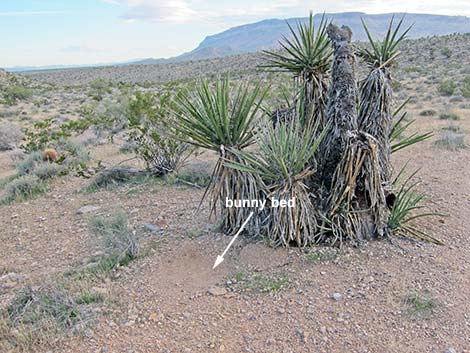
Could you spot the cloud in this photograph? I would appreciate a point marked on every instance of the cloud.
(174, 11)
(30, 13)
(80, 49)
(240, 11)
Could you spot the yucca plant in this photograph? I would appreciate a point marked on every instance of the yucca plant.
(282, 166)
(307, 56)
(224, 120)
(407, 207)
(375, 110)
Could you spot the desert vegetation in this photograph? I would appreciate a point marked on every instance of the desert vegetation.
(113, 183)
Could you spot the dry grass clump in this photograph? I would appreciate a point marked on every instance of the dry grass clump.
(23, 188)
(37, 315)
(451, 140)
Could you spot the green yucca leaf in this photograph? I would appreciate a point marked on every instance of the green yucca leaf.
(383, 52)
(398, 142)
(217, 117)
(306, 52)
(406, 208)
(285, 152)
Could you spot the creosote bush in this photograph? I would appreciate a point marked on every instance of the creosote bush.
(447, 87)
(152, 134)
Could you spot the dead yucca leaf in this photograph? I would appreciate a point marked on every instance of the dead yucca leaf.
(222, 119)
(375, 109)
(282, 166)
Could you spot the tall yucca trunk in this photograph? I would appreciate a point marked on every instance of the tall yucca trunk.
(342, 102)
(351, 167)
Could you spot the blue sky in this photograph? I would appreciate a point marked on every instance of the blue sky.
(51, 32)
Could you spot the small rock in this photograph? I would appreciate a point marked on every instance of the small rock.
(450, 350)
(151, 227)
(336, 296)
(88, 209)
(153, 317)
(217, 291)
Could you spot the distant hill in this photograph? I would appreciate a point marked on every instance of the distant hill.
(267, 33)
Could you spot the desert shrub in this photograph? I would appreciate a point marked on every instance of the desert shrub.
(29, 163)
(449, 116)
(428, 112)
(466, 87)
(420, 303)
(45, 171)
(35, 314)
(120, 243)
(23, 188)
(116, 176)
(196, 176)
(447, 87)
(151, 131)
(31, 307)
(14, 93)
(447, 52)
(47, 133)
(99, 88)
(72, 156)
(10, 136)
(453, 128)
(451, 140)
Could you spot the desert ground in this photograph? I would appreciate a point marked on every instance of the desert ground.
(57, 293)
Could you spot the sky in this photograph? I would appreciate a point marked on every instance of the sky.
(76, 32)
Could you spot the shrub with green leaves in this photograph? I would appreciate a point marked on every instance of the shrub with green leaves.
(447, 87)
(12, 94)
(449, 116)
(99, 88)
(466, 87)
(152, 133)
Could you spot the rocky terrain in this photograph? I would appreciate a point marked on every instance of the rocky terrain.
(58, 292)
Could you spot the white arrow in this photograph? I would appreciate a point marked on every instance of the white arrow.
(220, 258)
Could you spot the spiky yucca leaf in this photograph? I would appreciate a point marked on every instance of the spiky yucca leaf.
(285, 153)
(282, 166)
(222, 120)
(383, 53)
(307, 52)
(307, 56)
(398, 142)
(406, 208)
(219, 118)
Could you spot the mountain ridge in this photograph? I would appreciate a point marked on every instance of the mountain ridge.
(265, 34)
